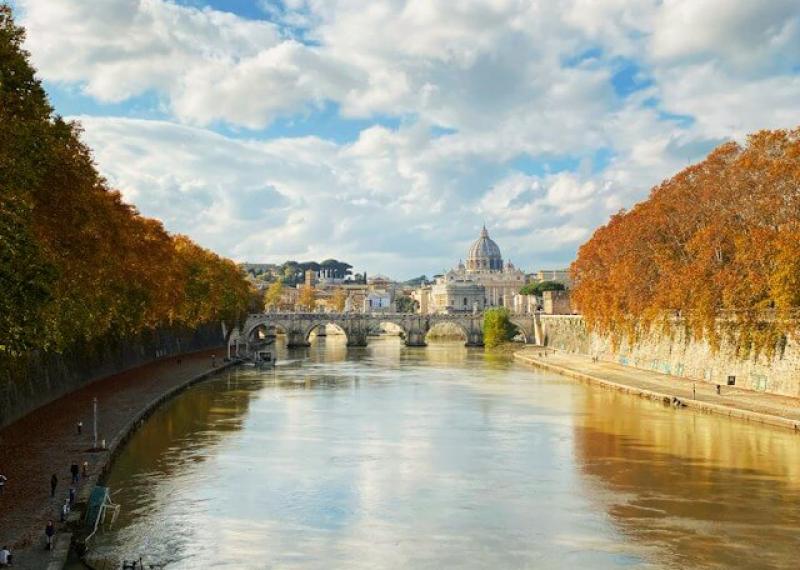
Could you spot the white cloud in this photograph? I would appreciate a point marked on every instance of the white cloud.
(753, 36)
(507, 78)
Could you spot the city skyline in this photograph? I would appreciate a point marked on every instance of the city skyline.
(388, 136)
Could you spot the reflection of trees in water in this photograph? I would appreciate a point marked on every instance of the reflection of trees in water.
(707, 490)
(184, 422)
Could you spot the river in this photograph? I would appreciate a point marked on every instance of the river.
(445, 457)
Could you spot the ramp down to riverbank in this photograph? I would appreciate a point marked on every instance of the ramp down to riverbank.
(760, 407)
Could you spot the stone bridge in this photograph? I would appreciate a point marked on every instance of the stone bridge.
(357, 326)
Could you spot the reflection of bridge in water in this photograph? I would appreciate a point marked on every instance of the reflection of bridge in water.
(358, 326)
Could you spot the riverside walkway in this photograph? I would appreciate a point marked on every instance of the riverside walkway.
(46, 442)
(771, 409)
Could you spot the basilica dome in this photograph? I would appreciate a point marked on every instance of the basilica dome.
(484, 255)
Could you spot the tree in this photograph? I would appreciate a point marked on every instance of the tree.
(272, 297)
(416, 281)
(497, 327)
(338, 300)
(307, 298)
(540, 287)
(715, 246)
(78, 264)
(406, 305)
(24, 279)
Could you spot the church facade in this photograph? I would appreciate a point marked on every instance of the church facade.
(483, 282)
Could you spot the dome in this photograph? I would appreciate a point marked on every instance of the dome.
(484, 254)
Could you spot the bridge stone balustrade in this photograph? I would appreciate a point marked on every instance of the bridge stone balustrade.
(298, 326)
(357, 326)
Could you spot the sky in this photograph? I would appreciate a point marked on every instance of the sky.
(386, 132)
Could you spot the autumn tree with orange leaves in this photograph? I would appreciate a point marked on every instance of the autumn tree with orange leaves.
(77, 263)
(716, 249)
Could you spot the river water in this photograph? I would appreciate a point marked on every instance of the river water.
(445, 457)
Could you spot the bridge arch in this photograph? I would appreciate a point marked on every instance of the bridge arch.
(396, 322)
(356, 326)
(521, 330)
(450, 323)
(321, 324)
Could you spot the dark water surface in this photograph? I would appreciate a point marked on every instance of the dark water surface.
(446, 457)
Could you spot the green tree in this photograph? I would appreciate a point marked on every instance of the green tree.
(406, 305)
(539, 288)
(497, 327)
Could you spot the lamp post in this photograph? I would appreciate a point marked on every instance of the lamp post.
(94, 409)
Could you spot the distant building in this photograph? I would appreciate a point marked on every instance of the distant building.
(557, 275)
(556, 303)
(378, 301)
(422, 295)
(484, 282)
(455, 295)
(525, 304)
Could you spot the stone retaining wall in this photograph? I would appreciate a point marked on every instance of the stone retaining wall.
(39, 377)
(680, 356)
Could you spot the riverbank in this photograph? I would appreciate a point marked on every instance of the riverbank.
(760, 407)
(47, 442)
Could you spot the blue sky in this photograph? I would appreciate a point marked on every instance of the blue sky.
(387, 133)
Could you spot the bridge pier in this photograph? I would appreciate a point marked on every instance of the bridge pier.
(416, 338)
(357, 329)
(296, 339)
(356, 338)
(475, 338)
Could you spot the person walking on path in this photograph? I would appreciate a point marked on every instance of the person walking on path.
(53, 485)
(5, 557)
(75, 470)
(3, 480)
(49, 532)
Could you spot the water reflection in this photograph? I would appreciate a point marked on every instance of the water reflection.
(707, 492)
(395, 457)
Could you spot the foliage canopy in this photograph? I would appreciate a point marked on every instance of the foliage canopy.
(76, 262)
(716, 247)
(497, 327)
(540, 287)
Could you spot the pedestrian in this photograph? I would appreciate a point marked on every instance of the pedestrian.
(3, 480)
(80, 428)
(64, 510)
(213, 361)
(53, 485)
(719, 389)
(49, 532)
(75, 470)
(71, 496)
(5, 557)
(85, 469)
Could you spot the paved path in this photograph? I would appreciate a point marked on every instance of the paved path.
(46, 442)
(736, 402)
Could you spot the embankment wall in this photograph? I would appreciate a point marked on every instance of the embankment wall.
(37, 378)
(680, 356)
